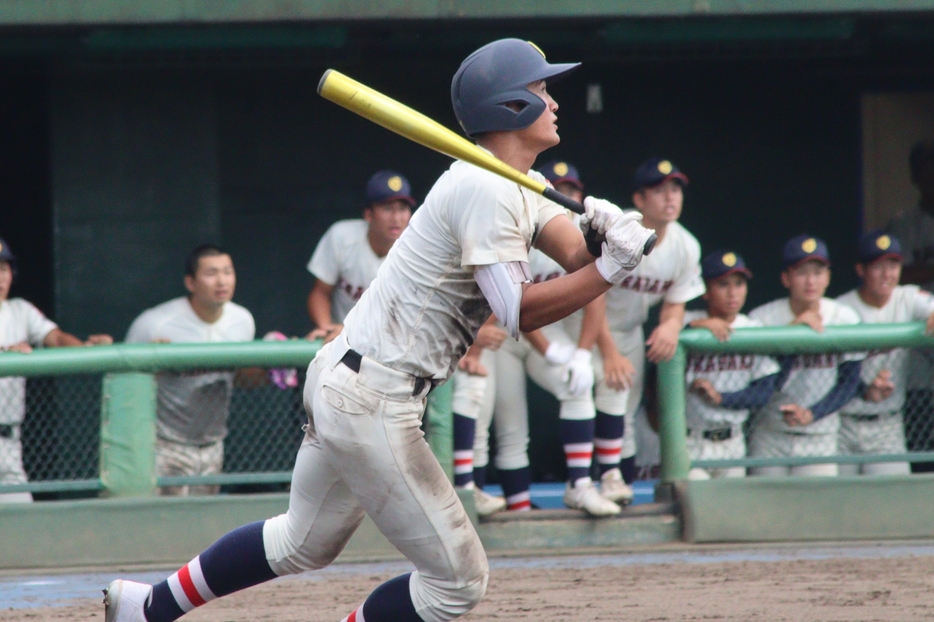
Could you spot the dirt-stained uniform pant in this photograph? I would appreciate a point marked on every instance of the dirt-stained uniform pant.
(630, 344)
(364, 452)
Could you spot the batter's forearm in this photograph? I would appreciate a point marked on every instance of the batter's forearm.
(547, 302)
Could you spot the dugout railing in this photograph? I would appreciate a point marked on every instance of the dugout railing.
(774, 342)
(89, 427)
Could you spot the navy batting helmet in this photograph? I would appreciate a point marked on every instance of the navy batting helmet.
(7, 255)
(497, 74)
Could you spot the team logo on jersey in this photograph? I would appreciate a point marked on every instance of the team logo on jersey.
(665, 167)
(884, 242)
(537, 49)
(395, 183)
(561, 169)
(729, 260)
(809, 245)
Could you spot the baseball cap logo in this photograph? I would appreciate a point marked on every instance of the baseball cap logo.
(729, 260)
(883, 242)
(395, 183)
(537, 49)
(561, 169)
(664, 167)
(809, 245)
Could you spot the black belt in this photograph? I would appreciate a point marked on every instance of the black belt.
(6, 430)
(874, 417)
(352, 359)
(719, 434)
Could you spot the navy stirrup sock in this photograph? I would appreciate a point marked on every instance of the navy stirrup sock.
(608, 439)
(464, 432)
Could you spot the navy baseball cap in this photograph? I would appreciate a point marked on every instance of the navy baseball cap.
(656, 170)
(387, 186)
(723, 262)
(560, 172)
(803, 248)
(876, 245)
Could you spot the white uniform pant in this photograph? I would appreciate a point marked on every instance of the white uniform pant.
(883, 435)
(630, 344)
(11, 467)
(700, 448)
(364, 451)
(768, 443)
(509, 406)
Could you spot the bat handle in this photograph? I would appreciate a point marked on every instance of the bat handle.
(568, 203)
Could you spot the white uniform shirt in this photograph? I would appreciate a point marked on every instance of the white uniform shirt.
(424, 308)
(19, 321)
(813, 375)
(727, 373)
(192, 406)
(345, 260)
(908, 303)
(671, 273)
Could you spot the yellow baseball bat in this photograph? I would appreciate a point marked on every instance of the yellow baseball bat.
(399, 118)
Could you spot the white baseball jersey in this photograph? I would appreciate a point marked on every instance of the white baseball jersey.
(424, 308)
(20, 322)
(908, 303)
(671, 274)
(727, 373)
(812, 375)
(192, 406)
(345, 260)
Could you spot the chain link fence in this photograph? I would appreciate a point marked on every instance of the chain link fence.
(763, 409)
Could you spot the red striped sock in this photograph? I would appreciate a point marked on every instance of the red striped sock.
(188, 586)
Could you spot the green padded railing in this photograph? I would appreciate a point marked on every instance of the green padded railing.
(128, 407)
(675, 462)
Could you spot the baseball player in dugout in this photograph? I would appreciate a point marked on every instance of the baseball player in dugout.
(873, 422)
(351, 251)
(724, 387)
(671, 275)
(22, 328)
(802, 417)
(192, 407)
(463, 257)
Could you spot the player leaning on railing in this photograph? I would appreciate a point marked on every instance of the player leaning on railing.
(873, 422)
(22, 328)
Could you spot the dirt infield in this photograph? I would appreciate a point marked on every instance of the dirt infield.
(847, 589)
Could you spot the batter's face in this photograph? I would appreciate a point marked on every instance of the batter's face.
(570, 190)
(388, 219)
(807, 281)
(880, 278)
(543, 133)
(726, 296)
(214, 282)
(6, 279)
(660, 204)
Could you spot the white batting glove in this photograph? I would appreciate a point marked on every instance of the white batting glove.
(622, 250)
(599, 215)
(559, 352)
(579, 375)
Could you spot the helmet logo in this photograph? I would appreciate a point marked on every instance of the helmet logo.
(664, 167)
(809, 245)
(561, 169)
(537, 49)
(395, 183)
(883, 242)
(729, 260)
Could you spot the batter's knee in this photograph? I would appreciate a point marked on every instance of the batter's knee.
(439, 600)
(290, 550)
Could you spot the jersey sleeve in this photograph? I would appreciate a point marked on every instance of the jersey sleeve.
(140, 330)
(325, 262)
(922, 306)
(688, 283)
(489, 225)
(37, 325)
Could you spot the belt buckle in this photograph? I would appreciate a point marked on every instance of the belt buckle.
(720, 434)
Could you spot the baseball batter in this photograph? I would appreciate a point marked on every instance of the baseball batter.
(802, 419)
(463, 257)
(350, 253)
(22, 328)
(192, 406)
(873, 423)
(723, 387)
(671, 276)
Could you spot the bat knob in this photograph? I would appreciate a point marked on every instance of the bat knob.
(650, 244)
